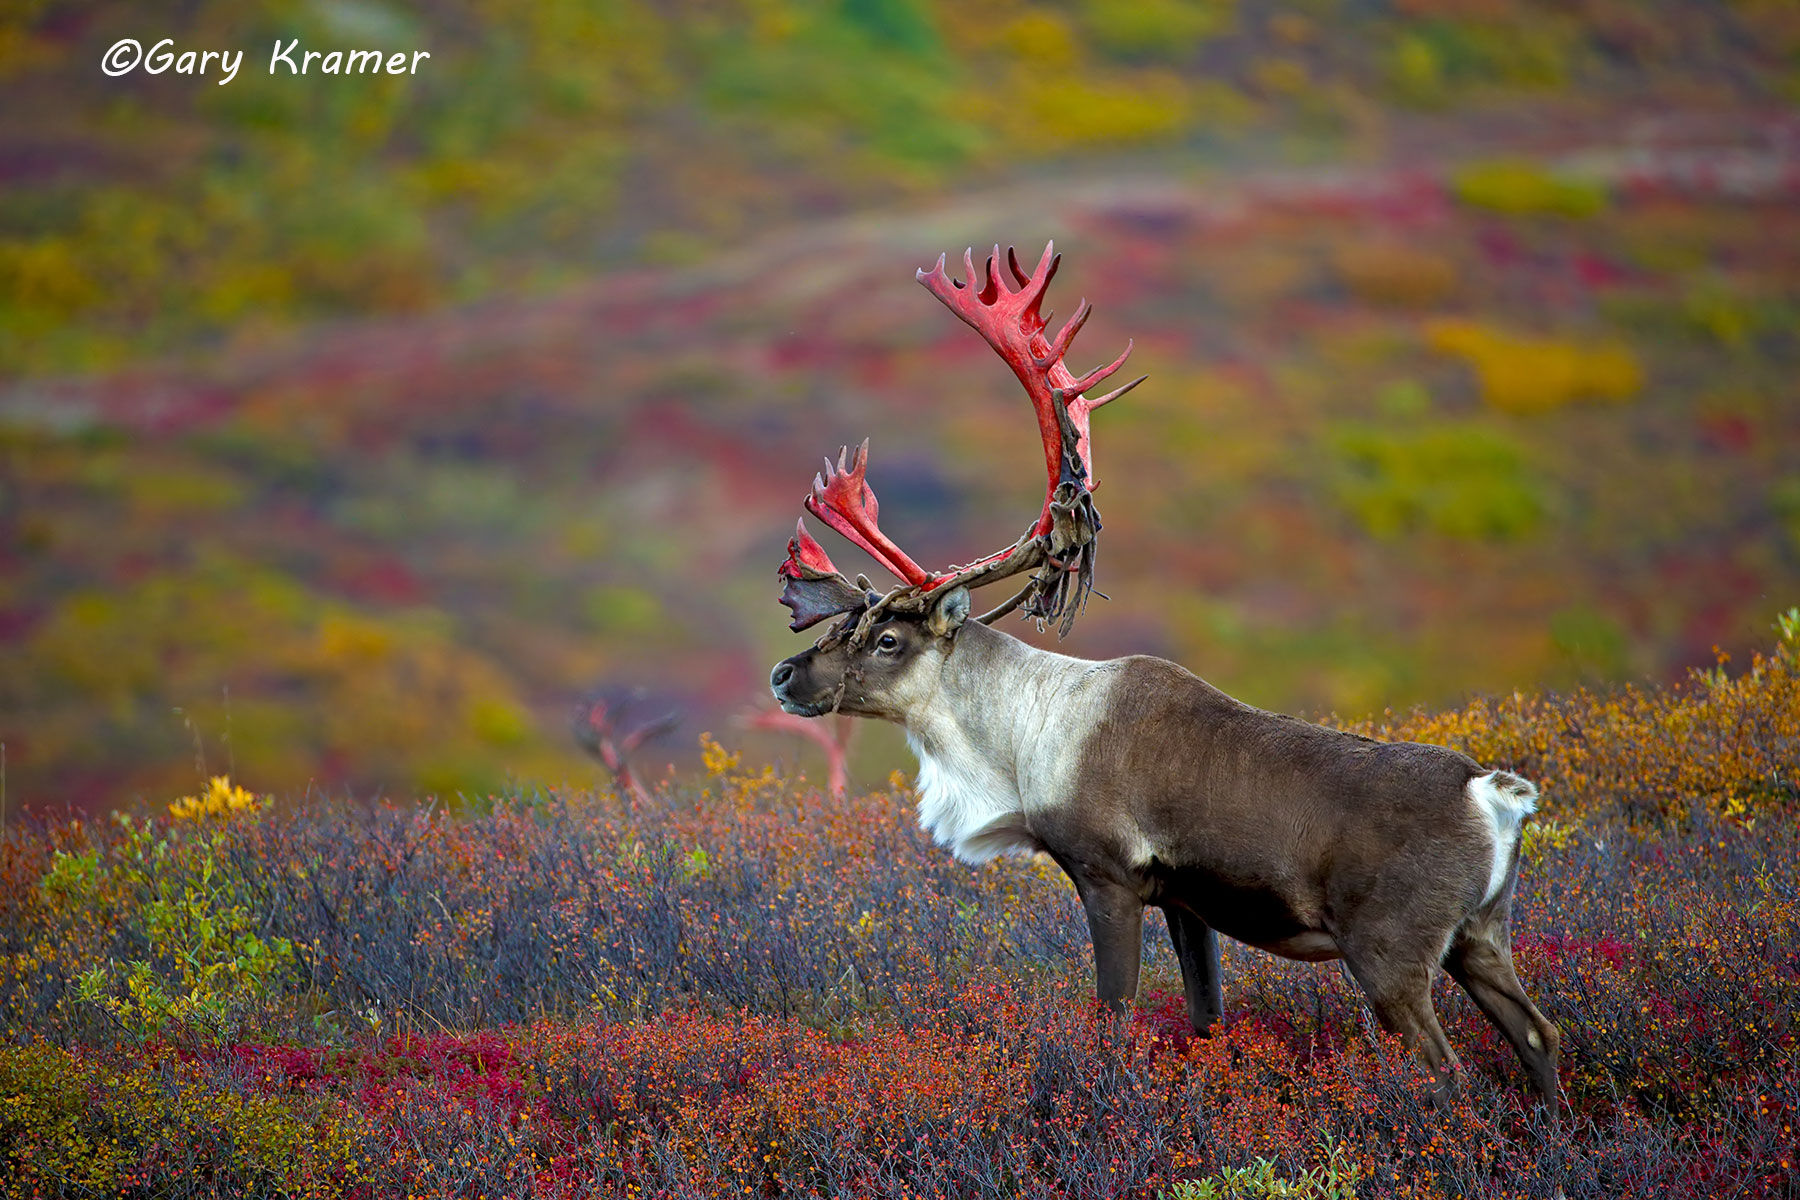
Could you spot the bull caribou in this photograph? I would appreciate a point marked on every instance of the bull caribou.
(1147, 785)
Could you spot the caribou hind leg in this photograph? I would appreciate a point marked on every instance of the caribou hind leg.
(1480, 959)
(1197, 947)
(1399, 993)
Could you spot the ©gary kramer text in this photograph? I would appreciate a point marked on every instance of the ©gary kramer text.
(128, 54)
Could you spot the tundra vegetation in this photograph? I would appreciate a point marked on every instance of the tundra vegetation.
(749, 988)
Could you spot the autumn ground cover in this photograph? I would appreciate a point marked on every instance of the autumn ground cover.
(746, 988)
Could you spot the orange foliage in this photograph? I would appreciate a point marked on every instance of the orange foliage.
(1718, 746)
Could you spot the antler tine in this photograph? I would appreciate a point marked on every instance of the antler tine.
(843, 499)
(1013, 324)
(1012, 263)
(1065, 335)
(803, 548)
(1036, 285)
(653, 729)
(1099, 375)
(995, 287)
(1109, 397)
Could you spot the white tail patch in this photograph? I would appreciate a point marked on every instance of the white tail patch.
(1503, 801)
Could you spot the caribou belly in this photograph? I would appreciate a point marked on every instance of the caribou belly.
(1312, 946)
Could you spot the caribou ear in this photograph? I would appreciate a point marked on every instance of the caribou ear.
(949, 612)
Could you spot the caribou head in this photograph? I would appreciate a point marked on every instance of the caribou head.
(885, 647)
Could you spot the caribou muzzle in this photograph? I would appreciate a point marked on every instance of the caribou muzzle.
(797, 688)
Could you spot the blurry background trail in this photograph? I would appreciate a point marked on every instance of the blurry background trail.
(351, 428)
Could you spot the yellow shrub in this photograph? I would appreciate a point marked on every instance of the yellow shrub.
(1523, 374)
(1042, 40)
(1718, 747)
(48, 273)
(719, 761)
(75, 1124)
(1524, 188)
(221, 798)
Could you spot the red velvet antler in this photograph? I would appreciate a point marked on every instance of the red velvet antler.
(1013, 325)
(843, 499)
(1061, 540)
(601, 730)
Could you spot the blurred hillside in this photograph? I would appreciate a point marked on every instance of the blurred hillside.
(547, 138)
(351, 428)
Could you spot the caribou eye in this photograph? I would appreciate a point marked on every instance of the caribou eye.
(887, 641)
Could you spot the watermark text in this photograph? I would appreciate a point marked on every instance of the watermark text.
(285, 58)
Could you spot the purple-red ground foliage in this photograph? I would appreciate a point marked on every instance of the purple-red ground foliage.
(747, 988)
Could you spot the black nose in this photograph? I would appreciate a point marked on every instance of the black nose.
(783, 672)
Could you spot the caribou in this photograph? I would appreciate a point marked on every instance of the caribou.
(1144, 783)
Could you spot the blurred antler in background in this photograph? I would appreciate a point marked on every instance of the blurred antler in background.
(604, 728)
(832, 737)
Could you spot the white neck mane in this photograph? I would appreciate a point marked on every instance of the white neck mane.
(999, 740)
(968, 806)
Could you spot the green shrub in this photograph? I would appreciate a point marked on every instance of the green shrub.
(1784, 498)
(1334, 1179)
(202, 968)
(1169, 29)
(1460, 481)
